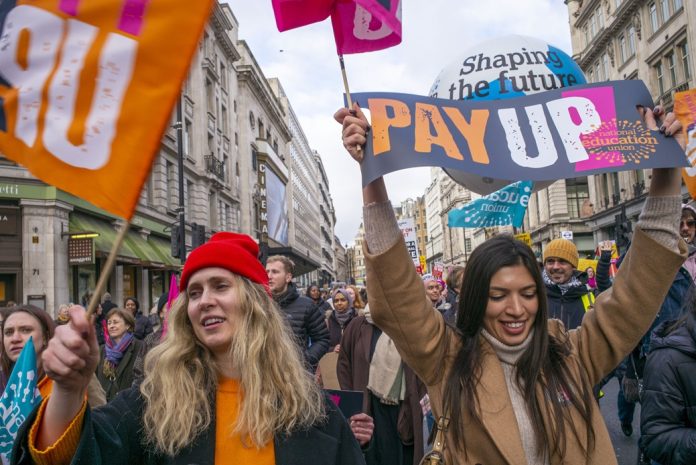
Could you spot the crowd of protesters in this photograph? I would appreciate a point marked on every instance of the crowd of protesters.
(502, 362)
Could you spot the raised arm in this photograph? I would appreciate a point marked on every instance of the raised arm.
(69, 360)
(623, 313)
(398, 303)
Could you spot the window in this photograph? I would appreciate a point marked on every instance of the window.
(684, 54)
(617, 3)
(605, 66)
(212, 210)
(576, 193)
(653, 16)
(210, 96)
(188, 195)
(225, 124)
(593, 26)
(671, 65)
(660, 78)
(677, 5)
(623, 52)
(170, 180)
(223, 75)
(632, 40)
(665, 10)
(187, 136)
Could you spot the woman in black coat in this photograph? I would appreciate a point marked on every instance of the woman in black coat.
(226, 385)
(668, 406)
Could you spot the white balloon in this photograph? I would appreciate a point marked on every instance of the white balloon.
(504, 67)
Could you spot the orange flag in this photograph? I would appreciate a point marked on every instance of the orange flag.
(87, 89)
(685, 109)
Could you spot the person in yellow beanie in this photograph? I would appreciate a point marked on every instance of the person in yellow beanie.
(567, 294)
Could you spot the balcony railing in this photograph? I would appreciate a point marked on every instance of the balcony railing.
(215, 167)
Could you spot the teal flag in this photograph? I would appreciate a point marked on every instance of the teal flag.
(503, 207)
(19, 399)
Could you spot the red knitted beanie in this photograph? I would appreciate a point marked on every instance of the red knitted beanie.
(235, 252)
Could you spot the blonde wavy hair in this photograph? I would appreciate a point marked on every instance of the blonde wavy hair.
(279, 394)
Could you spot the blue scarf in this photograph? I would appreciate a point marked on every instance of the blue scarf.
(114, 353)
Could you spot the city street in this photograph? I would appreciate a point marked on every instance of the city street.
(626, 447)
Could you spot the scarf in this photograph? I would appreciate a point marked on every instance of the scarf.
(386, 379)
(592, 282)
(344, 318)
(114, 354)
(565, 287)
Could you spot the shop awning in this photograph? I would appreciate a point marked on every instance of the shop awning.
(303, 264)
(135, 248)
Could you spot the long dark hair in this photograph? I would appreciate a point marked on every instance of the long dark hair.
(545, 362)
(48, 327)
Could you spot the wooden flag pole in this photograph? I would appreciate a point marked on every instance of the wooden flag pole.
(106, 271)
(348, 98)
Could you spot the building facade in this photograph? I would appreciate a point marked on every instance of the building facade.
(327, 222)
(650, 40)
(300, 197)
(433, 246)
(243, 156)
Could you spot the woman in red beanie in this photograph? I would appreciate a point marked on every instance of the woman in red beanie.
(227, 384)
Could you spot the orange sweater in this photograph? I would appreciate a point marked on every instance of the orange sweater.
(229, 449)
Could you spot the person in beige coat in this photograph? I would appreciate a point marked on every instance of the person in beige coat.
(516, 387)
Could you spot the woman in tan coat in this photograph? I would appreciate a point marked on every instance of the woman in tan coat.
(516, 387)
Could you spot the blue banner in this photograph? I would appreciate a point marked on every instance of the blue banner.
(558, 134)
(19, 399)
(506, 206)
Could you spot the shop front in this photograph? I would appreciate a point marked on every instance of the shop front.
(10, 253)
(143, 263)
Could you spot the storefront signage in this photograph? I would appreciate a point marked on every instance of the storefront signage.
(263, 202)
(80, 251)
(8, 221)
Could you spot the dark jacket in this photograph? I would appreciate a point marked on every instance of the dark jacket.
(124, 372)
(112, 435)
(568, 307)
(668, 406)
(335, 328)
(143, 326)
(353, 371)
(307, 323)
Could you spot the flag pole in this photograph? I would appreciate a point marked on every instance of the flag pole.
(349, 100)
(106, 271)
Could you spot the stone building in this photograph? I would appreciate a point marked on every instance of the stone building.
(327, 222)
(244, 156)
(650, 40)
(301, 198)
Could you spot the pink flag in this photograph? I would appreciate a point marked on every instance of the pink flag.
(290, 14)
(366, 25)
(359, 25)
(173, 294)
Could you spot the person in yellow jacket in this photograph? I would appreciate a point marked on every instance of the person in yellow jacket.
(516, 387)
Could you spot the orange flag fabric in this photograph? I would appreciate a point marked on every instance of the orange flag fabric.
(685, 109)
(87, 89)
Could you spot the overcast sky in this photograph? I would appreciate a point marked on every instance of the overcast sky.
(435, 33)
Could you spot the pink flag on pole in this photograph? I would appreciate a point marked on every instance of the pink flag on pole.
(359, 25)
(290, 14)
(366, 25)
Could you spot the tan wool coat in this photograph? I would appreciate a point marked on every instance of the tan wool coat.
(608, 333)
